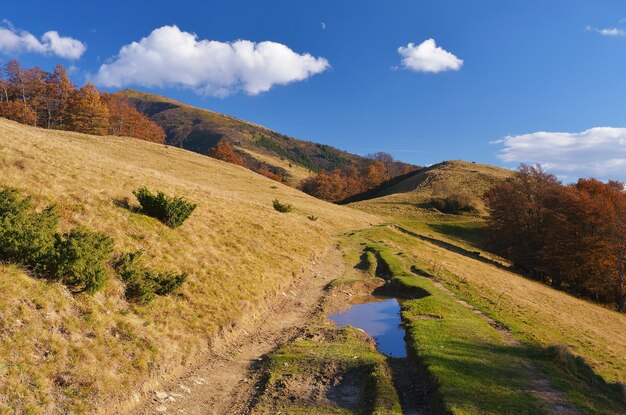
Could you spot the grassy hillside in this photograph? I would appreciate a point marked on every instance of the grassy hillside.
(439, 180)
(236, 248)
(198, 129)
(295, 173)
(491, 340)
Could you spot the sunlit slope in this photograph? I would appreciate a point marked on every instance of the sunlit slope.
(439, 180)
(64, 353)
(535, 312)
(297, 174)
(198, 129)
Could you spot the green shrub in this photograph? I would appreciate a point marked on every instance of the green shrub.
(79, 259)
(26, 236)
(172, 211)
(455, 204)
(142, 284)
(29, 238)
(282, 207)
(312, 218)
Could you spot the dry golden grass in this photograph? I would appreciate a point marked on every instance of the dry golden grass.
(443, 179)
(62, 353)
(533, 310)
(298, 173)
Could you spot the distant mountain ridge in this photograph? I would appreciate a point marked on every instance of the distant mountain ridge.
(198, 130)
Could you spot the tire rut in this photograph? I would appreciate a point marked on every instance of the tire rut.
(227, 382)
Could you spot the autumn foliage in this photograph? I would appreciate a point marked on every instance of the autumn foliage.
(340, 184)
(573, 237)
(265, 170)
(125, 120)
(225, 152)
(50, 100)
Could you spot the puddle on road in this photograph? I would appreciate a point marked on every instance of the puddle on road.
(379, 317)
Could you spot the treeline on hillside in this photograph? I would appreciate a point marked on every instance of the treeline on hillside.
(573, 237)
(50, 100)
(333, 186)
(340, 184)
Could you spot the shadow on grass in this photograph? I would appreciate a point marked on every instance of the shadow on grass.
(413, 385)
(124, 203)
(364, 262)
(401, 291)
(471, 235)
(489, 378)
(453, 248)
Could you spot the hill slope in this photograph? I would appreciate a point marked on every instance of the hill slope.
(236, 248)
(442, 179)
(198, 129)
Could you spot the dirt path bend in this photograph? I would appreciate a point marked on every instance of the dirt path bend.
(226, 382)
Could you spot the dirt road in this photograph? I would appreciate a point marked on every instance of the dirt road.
(225, 383)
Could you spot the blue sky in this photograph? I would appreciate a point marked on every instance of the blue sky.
(527, 67)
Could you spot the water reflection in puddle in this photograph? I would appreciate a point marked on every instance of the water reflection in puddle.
(379, 317)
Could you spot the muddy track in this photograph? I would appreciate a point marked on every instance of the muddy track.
(227, 383)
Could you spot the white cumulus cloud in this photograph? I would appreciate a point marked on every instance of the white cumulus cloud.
(598, 152)
(428, 57)
(13, 40)
(171, 57)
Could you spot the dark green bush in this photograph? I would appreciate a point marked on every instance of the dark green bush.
(172, 211)
(29, 238)
(26, 236)
(282, 207)
(142, 284)
(79, 259)
(312, 218)
(455, 204)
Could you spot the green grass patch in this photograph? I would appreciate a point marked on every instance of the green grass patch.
(475, 371)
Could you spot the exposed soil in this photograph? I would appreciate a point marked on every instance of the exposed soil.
(227, 381)
(327, 385)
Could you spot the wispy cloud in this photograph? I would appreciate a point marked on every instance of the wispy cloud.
(171, 57)
(599, 152)
(428, 57)
(608, 31)
(16, 41)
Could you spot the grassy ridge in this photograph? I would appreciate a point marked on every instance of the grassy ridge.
(235, 248)
(411, 197)
(198, 129)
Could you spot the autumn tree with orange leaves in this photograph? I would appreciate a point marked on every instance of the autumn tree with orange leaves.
(87, 111)
(50, 100)
(125, 120)
(573, 237)
(225, 152)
